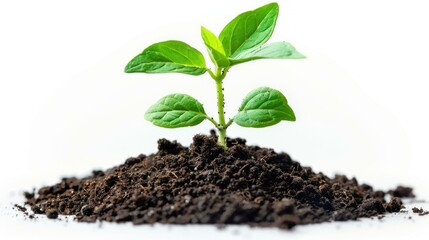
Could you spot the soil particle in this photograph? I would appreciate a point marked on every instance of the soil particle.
(86, 210)
(20, 208)
(36, 209)
(52, 214)
(420, 211)
(27, 214)
(371, 207)
(394, 205)
(402, 192)
(29, 195)
(205, 184)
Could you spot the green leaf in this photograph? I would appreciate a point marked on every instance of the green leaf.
(249, 29)
(168, 57)
(277, 50)
(263, 107)
(176, 110)
(215, 48)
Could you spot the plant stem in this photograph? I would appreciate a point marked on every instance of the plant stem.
(218, 76)
(231, 120)
(220, 108)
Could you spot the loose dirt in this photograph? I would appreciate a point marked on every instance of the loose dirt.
(205, 184)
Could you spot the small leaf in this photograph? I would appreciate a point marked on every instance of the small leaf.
(263, 107)
(215, 48)
(176, 110)
(168, 57)
(277, 50)
(249, 29)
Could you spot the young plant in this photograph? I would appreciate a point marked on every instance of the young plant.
(241, 40)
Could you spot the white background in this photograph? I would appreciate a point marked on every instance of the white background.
(66, 107)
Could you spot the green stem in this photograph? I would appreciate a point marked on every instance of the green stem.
(221, 111)
(212, 121)
(231, 120)
(218, 76)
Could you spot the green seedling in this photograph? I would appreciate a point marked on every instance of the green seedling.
(241, 40)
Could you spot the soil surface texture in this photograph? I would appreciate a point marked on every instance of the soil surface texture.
(205, 184)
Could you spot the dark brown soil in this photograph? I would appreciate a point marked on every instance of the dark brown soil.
(24, 211)
(420, 211)
(402, 192)
(205, 184)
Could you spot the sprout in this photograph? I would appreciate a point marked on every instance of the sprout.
(241, 40)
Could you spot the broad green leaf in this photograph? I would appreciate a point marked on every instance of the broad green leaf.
(168, 57)
(215, 48)
(263, 107)
(249, 29)
(277, 50)
(176, 110)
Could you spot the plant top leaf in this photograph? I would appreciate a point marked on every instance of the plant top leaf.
(249, 29)
(215, 48)
(176, 110)
(277, 50)
(263, 107)
(167, 57)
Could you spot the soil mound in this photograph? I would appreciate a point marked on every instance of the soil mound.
(205, 184)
